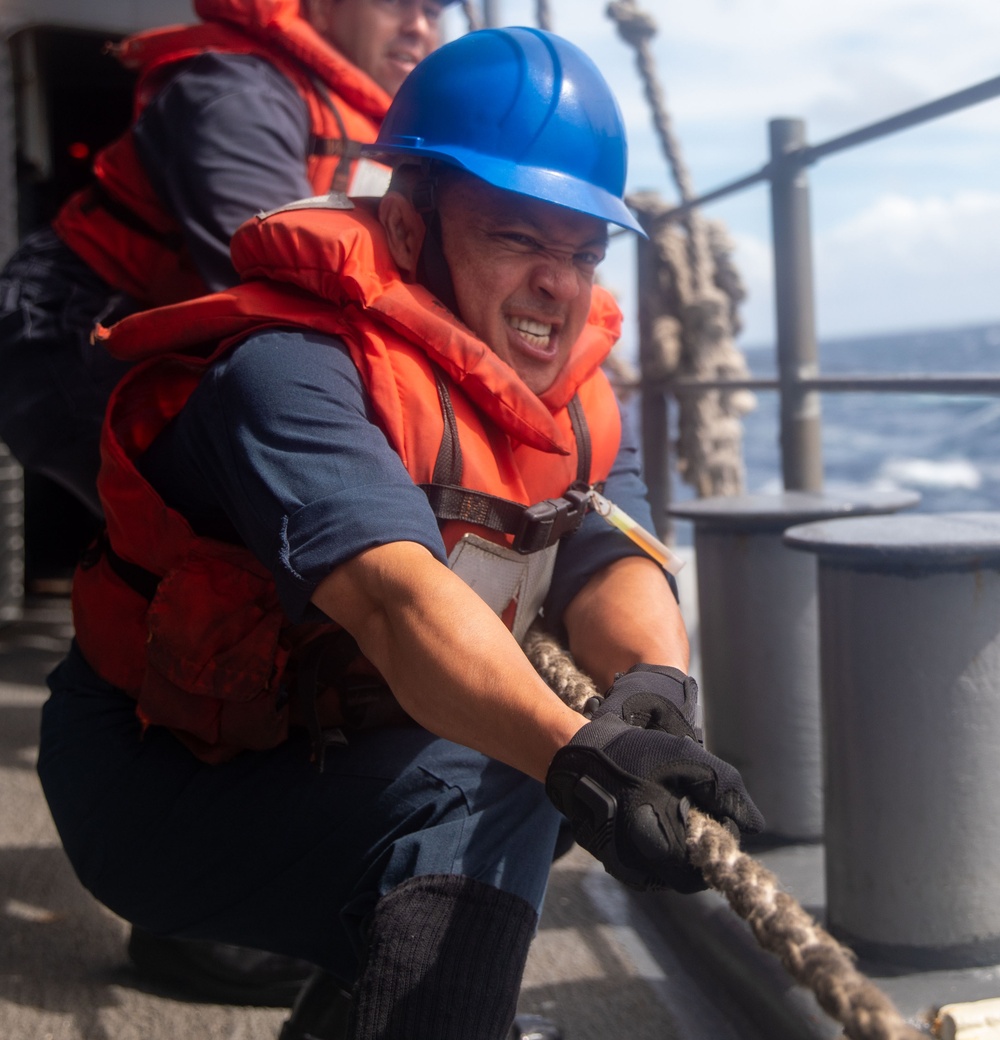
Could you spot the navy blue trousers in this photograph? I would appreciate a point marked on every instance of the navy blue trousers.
(54, 383)
(265, 851)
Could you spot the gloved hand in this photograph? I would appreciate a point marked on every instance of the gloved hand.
(652, 697)
(625, 792)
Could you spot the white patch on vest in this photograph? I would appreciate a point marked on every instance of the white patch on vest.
(500, 576)
(369, 180)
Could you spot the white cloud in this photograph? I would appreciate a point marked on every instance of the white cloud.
(907, 262)
(918, 232)
(901, 263)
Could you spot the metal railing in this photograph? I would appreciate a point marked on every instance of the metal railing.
(799, 382)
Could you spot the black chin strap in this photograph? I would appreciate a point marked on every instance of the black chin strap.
(432, 271)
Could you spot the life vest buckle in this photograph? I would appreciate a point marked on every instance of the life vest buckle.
(544, 523)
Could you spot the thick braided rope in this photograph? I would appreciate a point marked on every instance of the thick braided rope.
(556, 667)
(809, 953)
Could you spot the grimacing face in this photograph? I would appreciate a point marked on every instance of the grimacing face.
(522, 270)
(384, 38)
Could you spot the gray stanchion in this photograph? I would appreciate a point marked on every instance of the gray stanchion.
(759, 644)
(909, 615)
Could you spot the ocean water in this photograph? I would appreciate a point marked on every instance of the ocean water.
(945, 447)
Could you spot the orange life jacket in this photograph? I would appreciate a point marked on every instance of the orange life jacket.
(118, 224)
(191, 627)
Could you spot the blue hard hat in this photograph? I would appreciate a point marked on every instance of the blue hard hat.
(522, 109)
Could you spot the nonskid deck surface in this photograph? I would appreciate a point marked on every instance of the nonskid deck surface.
(598, 965)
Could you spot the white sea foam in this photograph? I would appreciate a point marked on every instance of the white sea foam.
(932, 473)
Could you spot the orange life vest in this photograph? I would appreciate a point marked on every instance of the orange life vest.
(119, 226)
(204, 647)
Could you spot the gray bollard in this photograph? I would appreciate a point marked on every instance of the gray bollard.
(759, 644)
(909, 614)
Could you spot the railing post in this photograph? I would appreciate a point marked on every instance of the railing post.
(801, 448)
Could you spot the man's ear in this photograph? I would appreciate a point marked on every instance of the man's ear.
(404, 231)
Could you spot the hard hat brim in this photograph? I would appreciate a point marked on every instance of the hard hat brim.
(553, 186)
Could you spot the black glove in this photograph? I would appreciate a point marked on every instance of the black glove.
(652, 697)
(625, 792)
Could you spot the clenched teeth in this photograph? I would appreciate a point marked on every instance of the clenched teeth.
(534, 331)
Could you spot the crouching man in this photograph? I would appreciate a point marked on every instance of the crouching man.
(297, 716)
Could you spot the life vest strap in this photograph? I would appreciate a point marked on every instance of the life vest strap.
(97, 197)
(347, 149)
(137, 578)
(533, 528)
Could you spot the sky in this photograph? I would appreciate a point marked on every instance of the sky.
(906, 229)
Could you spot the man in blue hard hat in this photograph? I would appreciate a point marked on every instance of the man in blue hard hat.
(297, 714)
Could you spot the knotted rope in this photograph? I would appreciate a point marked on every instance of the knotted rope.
(689, 297)
(637, 28)
(808, 952)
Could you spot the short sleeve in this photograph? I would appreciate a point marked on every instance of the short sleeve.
(277, 450)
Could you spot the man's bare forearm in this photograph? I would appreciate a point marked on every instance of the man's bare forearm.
(449, 660)
(626, 614)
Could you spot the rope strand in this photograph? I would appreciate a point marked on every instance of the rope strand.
(808, 952)
(637, 28)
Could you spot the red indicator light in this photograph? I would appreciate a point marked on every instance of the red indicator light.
(79, 150)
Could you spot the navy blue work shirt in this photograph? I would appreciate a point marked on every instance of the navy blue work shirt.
(227, 137)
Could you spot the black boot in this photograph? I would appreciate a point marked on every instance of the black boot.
(444, 962)
(322, 1011)
(218, 972)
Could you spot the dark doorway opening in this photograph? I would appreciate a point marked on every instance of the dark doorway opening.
(82, 101)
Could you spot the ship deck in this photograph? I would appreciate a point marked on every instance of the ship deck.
(606, 962)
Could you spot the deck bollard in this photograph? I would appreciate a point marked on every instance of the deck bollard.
(909, 620)
(759, 644)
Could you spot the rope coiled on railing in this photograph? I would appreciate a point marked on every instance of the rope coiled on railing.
(808, 952)
(690, 308)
